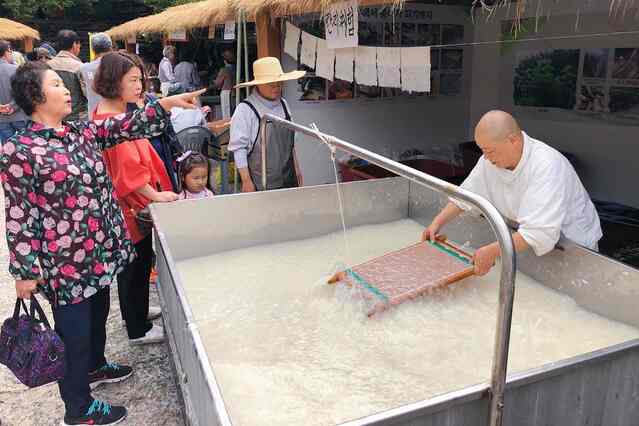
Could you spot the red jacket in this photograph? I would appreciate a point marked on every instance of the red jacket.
(132, 165)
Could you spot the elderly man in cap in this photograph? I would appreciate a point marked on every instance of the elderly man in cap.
(101, 44)
(528, 182)
(245, 139)
(41, 54)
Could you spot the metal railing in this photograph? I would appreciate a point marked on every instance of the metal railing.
(499, 226)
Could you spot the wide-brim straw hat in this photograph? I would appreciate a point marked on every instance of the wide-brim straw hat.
(269, 70)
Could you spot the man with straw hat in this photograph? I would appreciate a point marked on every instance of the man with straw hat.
(245, 128)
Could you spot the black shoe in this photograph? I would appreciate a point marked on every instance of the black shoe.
(99, 413)
(110, 373)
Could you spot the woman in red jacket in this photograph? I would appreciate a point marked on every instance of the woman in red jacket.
(139, 178)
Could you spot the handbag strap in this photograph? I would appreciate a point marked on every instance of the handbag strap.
(35, 307)
(16, 309)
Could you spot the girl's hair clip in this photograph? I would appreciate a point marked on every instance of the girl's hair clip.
(184, 156)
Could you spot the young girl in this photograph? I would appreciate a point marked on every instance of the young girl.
(193, 169)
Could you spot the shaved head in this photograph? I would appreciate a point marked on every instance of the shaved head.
(497, 126)
(500, 138)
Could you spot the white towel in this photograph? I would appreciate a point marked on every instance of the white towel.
(325, 60)
(344, 64)
(388, 66)
(415, 69)
(366, 65)
(309, 49)
(292, 40)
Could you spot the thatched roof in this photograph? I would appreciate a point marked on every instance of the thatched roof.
(295, 7)
(127, 29)
(191, 15)
(11, 30)
(208, 12)
(185, 16)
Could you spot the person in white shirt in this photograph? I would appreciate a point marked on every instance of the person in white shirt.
(185, 72)
(528, 182)
(183, 118)
(165, 70)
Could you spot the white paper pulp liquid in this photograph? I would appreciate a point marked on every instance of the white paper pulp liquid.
(287, 349)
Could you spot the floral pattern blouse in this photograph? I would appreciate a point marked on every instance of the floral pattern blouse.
(63, 222)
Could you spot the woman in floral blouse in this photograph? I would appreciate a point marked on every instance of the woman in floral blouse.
(65, 231)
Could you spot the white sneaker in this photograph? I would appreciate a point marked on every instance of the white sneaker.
(154, 312)
(154, 335)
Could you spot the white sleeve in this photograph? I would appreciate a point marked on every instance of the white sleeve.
(475, 183)
(241, 136)
(543, 207)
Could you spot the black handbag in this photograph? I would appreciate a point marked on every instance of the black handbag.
(144, 221)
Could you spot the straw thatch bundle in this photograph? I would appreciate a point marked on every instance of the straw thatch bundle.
(127, 29)
(293, 7)
(185, 16)
(11, 30)
(618, 8)
(190, 15)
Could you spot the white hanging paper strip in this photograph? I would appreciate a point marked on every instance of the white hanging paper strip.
(366, 66)
(325, 60)
(309, 49)
(388, 66)
(344, 64)
(415, 69)
(292, 40)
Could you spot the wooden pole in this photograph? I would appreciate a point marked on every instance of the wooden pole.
(268, 35)
(28, 45)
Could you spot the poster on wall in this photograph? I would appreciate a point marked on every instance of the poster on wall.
(591, 91)
(546, 78)
(589, 84)
(624, 84)
(341, 23)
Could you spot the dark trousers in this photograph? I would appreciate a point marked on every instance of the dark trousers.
(133, 290)
(82, 328)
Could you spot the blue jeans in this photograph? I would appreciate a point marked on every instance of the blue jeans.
(9, 129)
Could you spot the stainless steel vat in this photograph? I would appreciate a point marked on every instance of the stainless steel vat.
(598, 388)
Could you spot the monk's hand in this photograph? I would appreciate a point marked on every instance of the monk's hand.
(337, 277)
(485, 258)
(25, 288)
(431, 232)
(185, 100)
